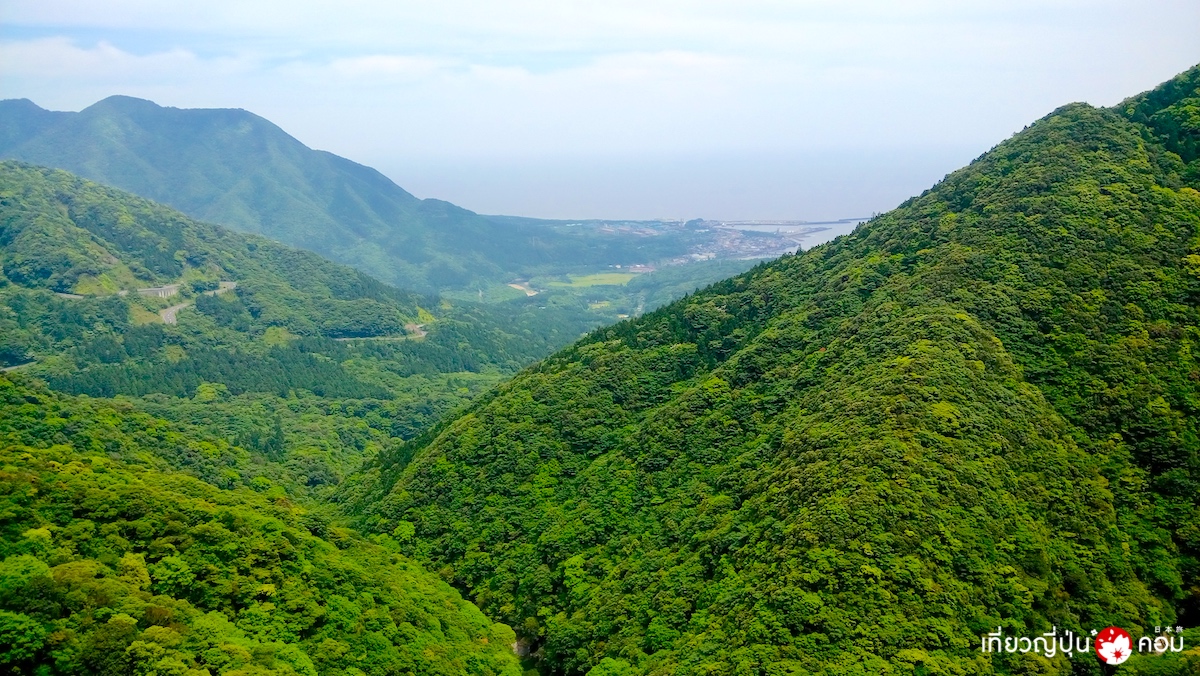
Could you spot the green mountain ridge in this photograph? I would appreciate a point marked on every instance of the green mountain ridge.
(310, 364)
(179, 527)
(977, 411)
(69, 236)
(232, 167)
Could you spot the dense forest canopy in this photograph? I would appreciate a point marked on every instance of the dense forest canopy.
(251, 314)
(115, 560)
(979, 410)
(307, 367)
(183, 532)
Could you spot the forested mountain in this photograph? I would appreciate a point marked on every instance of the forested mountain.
(113, 560)
(977, 411)
(308, 365)
(236, 169)
(84, 264)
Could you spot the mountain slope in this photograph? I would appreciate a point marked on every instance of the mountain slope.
(308, 365)
(237, 169)
(979, 410)
(95, 247)
(112, 562)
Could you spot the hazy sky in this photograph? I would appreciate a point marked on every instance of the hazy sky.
(739, 108)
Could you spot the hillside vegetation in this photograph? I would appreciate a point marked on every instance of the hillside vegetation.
(63, 236)
(979, 410)
(113, 562)
(307, 364)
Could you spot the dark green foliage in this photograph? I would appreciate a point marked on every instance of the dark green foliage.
(231, 313)
(1172, 112)
(112, 562)
(979, 410)
(280, 369)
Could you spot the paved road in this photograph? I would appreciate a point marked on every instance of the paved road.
(168, 314)
(18, 366)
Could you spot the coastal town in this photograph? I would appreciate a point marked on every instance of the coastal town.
(722, 239)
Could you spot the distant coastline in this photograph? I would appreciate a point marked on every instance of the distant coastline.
(806, 234)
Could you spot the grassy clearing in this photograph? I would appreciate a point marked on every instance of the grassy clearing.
(141, 316)
(598, 279)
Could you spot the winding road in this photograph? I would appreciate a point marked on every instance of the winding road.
(168, 314)
(414, 331)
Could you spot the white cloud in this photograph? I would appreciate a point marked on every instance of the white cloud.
(386, 82)
(57, 60)
(59, 57)
(388, 65)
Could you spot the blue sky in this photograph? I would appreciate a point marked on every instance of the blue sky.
(755, 108)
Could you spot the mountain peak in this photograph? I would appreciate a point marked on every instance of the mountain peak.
(123, 103)
(21, 119)
(149, 111)
(10, 105)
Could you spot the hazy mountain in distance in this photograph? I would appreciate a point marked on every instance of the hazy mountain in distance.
(234, 168)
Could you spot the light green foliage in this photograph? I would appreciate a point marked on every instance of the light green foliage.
(610, 667)
(21, 638)
(597, 279)
(979, 410)
(148, 571)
